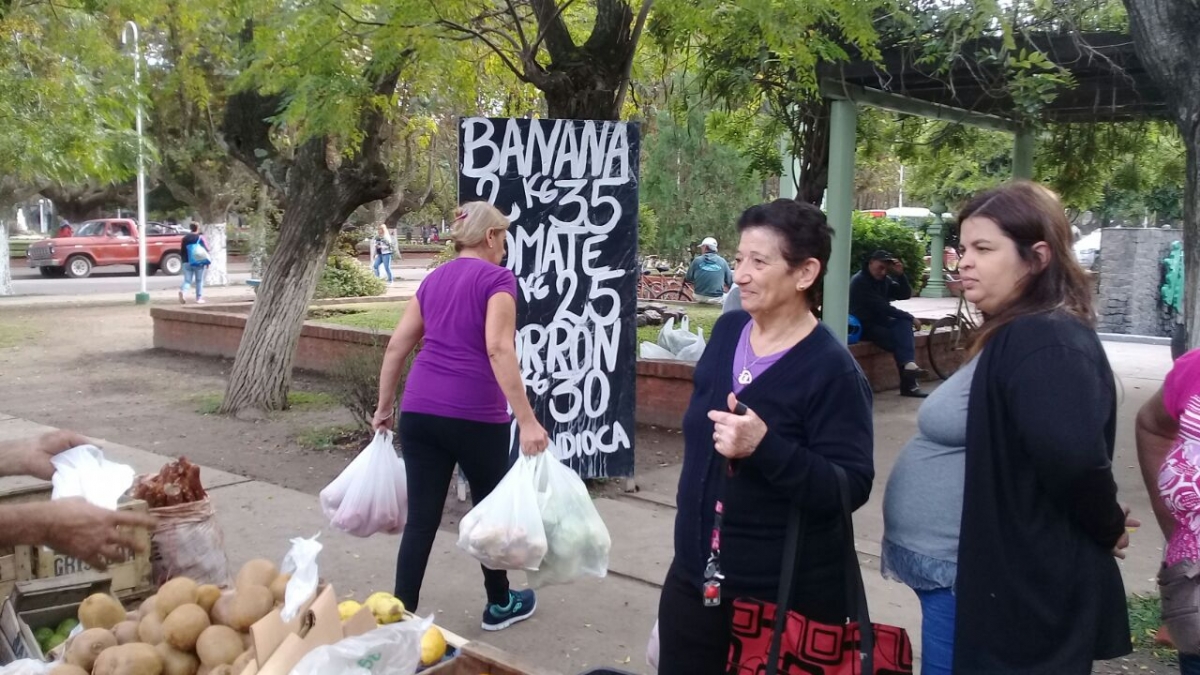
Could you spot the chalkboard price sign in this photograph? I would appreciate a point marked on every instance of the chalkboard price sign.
(570, 190)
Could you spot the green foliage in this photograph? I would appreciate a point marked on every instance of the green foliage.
(696, 187)
(872, 234)
(67, 96)
(345, 277)
(647, 230)
(1145, 618)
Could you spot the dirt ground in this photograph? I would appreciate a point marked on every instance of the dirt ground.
(95, 370)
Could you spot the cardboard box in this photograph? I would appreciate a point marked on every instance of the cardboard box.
(279, 645)
(477, 658)
(131, 578)
(43, 603)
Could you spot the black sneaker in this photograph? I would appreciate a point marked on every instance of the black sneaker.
(520, 607)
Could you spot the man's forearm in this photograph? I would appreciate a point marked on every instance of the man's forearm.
(11, 454)
(23, 524)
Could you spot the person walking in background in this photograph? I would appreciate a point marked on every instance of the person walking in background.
(382, 247)
(454, 405)
(808, 409)
(872, 290)
(1168, 446)
(195, 264)
(709, 274)
(1002, 513)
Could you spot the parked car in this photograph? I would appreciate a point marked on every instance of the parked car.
(102, 243)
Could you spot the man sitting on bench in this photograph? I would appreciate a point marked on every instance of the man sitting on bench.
(872, 291)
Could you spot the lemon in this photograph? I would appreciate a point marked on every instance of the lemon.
(433, 646)
(386, 607)
(347, 609)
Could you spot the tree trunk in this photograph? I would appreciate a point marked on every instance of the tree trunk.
(1191, 236)
(1164, 33)
(813, 151)
(319, 200)
(589, 93)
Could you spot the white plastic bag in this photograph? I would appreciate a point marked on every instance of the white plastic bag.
(371, 494)
(505, 531)
(301, 563)
(577, 540)
(652, 647)
(394, 649)
(694, 351)
(27, 667)
(674, 339)
(649, 350)
(83, 472)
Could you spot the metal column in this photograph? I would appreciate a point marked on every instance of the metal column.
(843, 130)
(1023, 155)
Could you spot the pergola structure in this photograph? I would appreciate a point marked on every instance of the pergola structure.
(1110, 85)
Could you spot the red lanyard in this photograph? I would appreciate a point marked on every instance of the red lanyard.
(712, 569)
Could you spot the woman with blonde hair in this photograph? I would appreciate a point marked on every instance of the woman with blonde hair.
(1002, 513)
(382, 247)
(457, 397)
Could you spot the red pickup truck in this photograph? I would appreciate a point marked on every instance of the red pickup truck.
(100, 243)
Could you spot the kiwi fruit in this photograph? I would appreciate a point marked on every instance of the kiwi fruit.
(86, 647)
(176, 592)
(183, 627)
(257, 572)
(101, 610)
(219, 645)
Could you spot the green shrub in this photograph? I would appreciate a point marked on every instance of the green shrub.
(872, 234)
(445, 255)
(345, 277)
(356, 382)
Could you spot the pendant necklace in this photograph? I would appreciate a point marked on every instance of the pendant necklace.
(746, 377)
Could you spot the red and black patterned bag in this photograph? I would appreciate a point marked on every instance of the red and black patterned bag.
(768, 642)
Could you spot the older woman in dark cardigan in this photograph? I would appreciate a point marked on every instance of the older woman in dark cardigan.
(808, 408)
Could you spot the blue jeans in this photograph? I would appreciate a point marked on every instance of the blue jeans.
(1189, 664)
(937, 631)
(193, 275)
(384, 259)
(895, 336)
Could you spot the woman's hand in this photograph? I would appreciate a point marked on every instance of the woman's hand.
(383, 418)
(736, 436)
(1131, 524)
(534, 439)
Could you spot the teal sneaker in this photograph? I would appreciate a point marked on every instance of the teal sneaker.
(520, 607)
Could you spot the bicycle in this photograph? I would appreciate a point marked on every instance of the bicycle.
(958, 328)
(677, 291)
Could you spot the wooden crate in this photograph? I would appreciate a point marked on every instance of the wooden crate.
(43, 603)
(131, 579)
(477, 658)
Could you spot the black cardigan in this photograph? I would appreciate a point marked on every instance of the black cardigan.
(1038, 588)
(817, 407)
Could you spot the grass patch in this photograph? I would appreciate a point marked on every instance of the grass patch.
(301, 401)
(699, 316)
(1144, 620)
(382, 316)
(329, 438)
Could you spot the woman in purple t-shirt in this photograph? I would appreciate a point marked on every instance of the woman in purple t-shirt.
(455, 408)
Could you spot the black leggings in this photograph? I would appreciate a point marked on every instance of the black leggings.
(432, 445)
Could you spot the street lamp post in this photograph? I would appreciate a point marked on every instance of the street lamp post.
(143, 297)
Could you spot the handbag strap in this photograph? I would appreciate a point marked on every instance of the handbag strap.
(854, 580)
(787, 576)
(856, 595)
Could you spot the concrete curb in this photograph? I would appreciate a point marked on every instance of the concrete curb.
(1135, 339)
